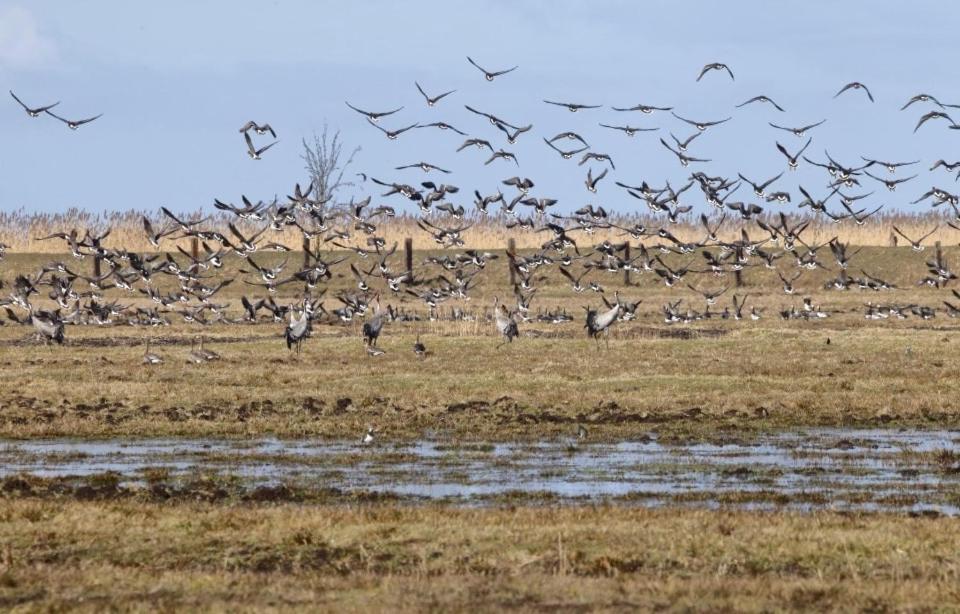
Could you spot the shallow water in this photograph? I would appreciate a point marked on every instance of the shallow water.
(804, 470)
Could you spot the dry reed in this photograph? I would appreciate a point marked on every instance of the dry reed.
(21, 230)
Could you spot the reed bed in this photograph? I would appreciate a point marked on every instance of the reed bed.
(21, 230)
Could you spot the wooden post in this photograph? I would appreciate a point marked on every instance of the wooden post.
(96, 266)
(511, 250)
(626, 257)
(306, 252)
(408, 258)
(195, 248)
(738, 277)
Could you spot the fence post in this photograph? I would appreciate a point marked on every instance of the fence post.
(626, 271)
(511, 250)
(408, 258)
(306, 252)
(738, 277)
(195, 248)
(96, 266)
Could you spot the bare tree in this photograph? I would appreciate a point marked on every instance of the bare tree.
(326, 167)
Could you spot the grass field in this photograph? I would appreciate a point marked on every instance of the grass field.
(684, 378)
(709, 380)
(91, 555)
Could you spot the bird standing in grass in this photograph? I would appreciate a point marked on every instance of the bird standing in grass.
(506, 325)
(419, 348)
(149, 358)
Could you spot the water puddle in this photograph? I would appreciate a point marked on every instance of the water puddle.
(914, 471)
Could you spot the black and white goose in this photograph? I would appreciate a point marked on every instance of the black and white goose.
(798, 132)
(915, 245)
(432, 100)
(715, 66)
(793, 160)
(761, 98)
(33, 111)
(71, 123)
(701, 125)
(373, 116)
(628, 129)
(253, 151)
(573, 107)
(490, 75)
(260, 129)
(391, 134)
(855, 85)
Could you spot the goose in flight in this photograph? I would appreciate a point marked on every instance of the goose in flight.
(391, 134)
(685, 160)
(591, 181)
(890, 166)
(33, 111)
(683, 145)
(565, 154)
(442, 126)
(922, 98)
(426, 167)
(252, 151)
(855, 85)
(798, 132)
(761, 98)
(501, 154)
(716, 66)
(73, 124)
(373, 116)
(572, 106)
(432, 100)
(643, 108)
(915, 245)
(933, 115)
(259, 129)
(490, 75)
(701, 126)
(599, 157)
(153, 236)
(628, 129)
(760, 188)
(891, 184)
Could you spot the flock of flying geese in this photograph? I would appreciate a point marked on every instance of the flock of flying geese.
(777, 243)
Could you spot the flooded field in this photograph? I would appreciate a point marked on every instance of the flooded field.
(913, 471)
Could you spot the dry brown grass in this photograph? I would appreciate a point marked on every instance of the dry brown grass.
(712, 380)
(20, 230)
(739, 375)
(95, 555)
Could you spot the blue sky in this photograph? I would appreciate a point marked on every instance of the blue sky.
(175, 81)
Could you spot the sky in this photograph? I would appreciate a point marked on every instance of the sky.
(175, 81)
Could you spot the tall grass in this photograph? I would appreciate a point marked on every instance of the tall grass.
(21, 230)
